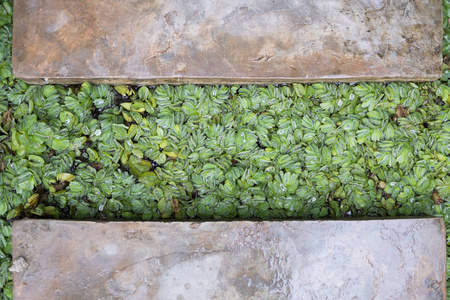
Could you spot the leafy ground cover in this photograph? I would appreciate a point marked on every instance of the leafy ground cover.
(291, 151)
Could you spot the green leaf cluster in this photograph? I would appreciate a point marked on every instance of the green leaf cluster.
(446, 17)
(320, 150)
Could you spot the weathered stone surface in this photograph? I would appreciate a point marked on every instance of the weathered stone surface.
(365, 259)
(209, 41)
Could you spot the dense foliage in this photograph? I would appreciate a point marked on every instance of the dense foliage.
(223, 152)
(304, 151)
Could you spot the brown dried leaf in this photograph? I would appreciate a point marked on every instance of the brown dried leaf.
(96, 166)
(436, 197)
(59, 186)
(446, 59)
(381, 184)
(402, 112)
(175, 206)
(7, 117)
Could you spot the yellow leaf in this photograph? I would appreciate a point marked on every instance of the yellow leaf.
(65, 177)
(122, 89)
(127, 116)
(126, 105)
(140, 110)
(33, 200)
(164, 144)
(170, 154)
(441, 156)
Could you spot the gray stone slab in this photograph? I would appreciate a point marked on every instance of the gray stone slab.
(364, 259)
(233, 41)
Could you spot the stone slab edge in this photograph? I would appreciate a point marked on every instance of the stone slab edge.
(218, 80)
(29, 225)
(414, 56)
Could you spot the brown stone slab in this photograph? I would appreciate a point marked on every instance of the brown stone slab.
(233, 41)
(365, 259)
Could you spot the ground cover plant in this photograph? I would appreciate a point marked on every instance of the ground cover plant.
(219, 152)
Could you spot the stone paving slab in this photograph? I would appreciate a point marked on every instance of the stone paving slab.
(364, 259)
(233, 41)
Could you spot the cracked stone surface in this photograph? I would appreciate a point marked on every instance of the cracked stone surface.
(357, 259)
(234, 41)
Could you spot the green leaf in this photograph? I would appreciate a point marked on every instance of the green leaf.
(65, 177)
(59, 143)
(120, 131)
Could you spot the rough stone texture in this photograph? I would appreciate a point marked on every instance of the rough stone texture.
(365, 259)
(233, 41)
